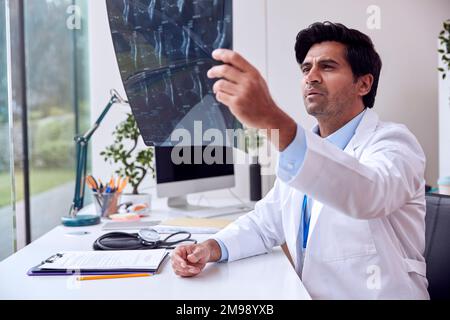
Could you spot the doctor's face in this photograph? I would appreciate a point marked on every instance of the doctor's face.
(329, 87)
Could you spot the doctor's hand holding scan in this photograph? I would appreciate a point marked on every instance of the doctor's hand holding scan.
(244, 91)
(349, 199)
(190, 260)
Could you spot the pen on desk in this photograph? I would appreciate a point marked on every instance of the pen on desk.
(114, 276)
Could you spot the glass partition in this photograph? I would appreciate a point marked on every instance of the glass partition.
(7, 228)
(56, 44)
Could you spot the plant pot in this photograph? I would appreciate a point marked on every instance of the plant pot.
(133, 199)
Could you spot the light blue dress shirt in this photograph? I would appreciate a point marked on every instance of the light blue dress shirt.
(291, 160)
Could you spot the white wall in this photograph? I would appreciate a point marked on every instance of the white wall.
(408, 91)
(104, 76)
(444, 125)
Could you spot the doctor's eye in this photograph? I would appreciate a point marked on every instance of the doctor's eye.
(328, 67)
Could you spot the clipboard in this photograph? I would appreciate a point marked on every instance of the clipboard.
(45, 269)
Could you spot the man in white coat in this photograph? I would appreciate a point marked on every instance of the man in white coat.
(349, 201)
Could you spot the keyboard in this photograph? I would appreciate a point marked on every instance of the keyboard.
(129, 225)
(220, 211)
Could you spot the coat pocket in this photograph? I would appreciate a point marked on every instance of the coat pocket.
(346, 238)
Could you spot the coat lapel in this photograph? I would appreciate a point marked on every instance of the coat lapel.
(366, 128)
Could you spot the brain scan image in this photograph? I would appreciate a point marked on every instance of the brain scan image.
(163, 49)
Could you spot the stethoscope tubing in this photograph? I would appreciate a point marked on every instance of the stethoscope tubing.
(144, 245)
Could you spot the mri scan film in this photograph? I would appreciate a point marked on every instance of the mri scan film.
(163, 49)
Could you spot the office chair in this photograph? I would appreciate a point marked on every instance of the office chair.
(437, 250)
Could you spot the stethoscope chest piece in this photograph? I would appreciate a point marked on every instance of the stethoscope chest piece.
(149, 235)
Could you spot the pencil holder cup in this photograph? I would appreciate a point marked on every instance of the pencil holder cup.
(106, 203)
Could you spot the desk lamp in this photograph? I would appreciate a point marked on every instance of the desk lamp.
(74, 219)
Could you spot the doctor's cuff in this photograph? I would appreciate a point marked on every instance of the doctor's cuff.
(292, 158)
(224, 251)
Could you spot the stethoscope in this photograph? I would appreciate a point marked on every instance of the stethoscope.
(145, 239)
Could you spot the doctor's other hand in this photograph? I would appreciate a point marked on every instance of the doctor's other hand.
(190, 260)
(244, 91)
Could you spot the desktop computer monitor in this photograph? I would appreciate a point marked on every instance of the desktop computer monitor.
(175, 180)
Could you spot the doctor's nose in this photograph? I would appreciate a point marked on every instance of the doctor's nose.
(313, 76)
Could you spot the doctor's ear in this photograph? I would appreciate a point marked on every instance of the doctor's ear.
(365, 84)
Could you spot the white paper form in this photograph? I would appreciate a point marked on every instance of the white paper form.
(106, 260)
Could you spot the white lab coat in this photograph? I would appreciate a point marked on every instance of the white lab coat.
(367, 234)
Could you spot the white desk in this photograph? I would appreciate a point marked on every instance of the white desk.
(268, 276)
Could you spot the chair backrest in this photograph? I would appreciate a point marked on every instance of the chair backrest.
(437, 252)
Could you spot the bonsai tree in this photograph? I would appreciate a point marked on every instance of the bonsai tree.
(134, 165)
(444, 37)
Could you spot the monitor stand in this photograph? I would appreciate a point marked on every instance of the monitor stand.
(181, 205)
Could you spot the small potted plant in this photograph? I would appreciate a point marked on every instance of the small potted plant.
(133, 164)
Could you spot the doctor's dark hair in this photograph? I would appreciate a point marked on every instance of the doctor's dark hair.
(361, 53)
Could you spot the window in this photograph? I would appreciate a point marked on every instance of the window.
(37, 170)
(56, 47)
(6, 209)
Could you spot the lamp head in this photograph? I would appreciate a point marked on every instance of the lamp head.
(117, 97)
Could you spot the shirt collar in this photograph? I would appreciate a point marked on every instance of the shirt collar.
(342, 137)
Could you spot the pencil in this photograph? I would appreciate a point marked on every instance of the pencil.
(123, 185)
(114, 276)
